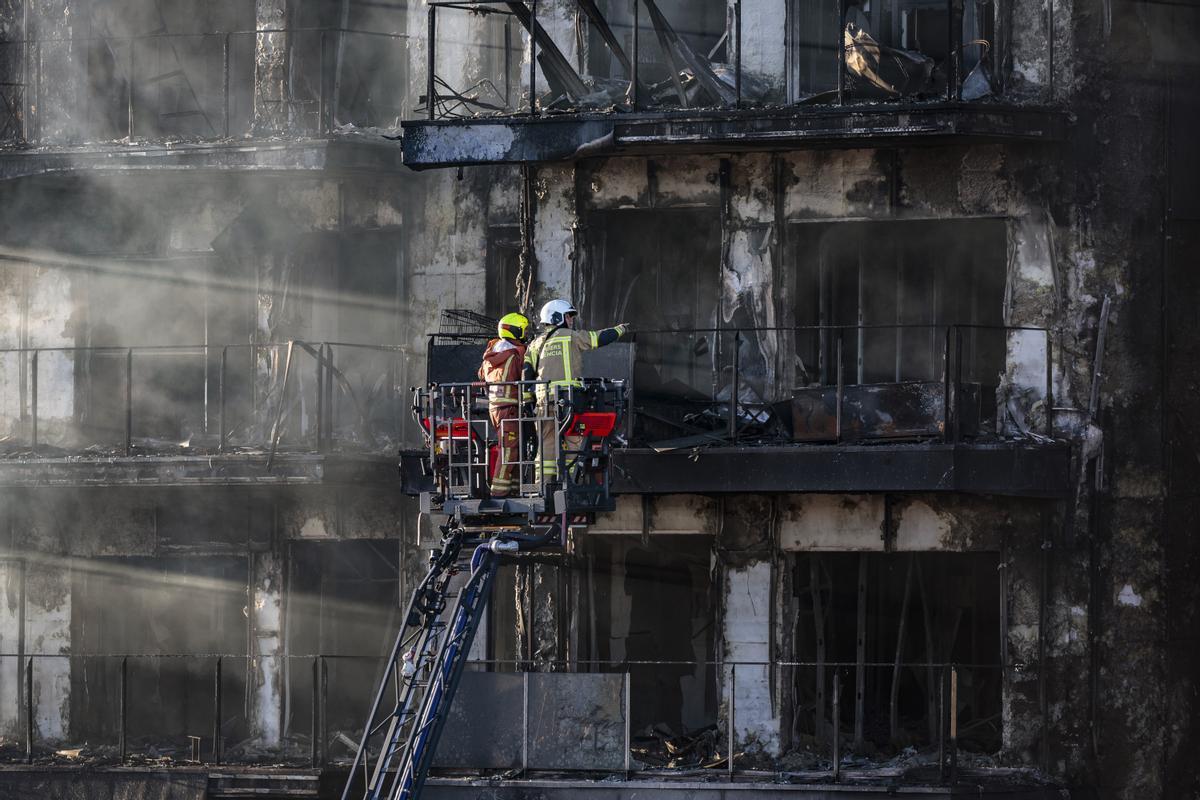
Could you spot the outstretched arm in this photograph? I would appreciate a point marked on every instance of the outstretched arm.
(608, 335)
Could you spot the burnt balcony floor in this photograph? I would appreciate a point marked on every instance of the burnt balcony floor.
(557, 137)
(248, 467)
(1012, 468)
(185, 782)
(1006, 784)
(1017, 469)
(349, 155)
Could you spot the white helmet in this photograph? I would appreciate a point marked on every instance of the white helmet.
(554, 312)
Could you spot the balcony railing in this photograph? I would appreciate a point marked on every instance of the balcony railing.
(483, 58)
(278, 397)
(204, 720)
(907, 381)
(849, 383)
(199, 86)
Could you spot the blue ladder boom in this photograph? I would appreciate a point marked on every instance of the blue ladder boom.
(401, 735)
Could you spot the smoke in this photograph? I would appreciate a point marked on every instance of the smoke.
(206, 277)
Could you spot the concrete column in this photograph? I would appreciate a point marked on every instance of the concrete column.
(537, 614)
(747, 590)
(267, 654)
(748, 273)
(48, 633)
(744, 550)
(271, 112)
(555, 221)
(12, 586)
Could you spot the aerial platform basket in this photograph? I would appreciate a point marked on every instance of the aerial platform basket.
(575, 425)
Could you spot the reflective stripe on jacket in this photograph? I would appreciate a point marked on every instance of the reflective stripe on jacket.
(557, 356)
(502, 363)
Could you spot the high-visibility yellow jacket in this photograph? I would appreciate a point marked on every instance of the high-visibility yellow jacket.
(557, 355)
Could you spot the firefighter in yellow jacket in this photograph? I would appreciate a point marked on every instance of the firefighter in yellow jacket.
(556, 356)
(503, 363)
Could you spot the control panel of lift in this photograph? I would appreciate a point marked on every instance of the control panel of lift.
(557, 471)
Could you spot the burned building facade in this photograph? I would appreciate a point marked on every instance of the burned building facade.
(908, 469)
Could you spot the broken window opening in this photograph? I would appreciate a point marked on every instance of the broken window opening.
(886, 295)
(503, 269)
(893, 49)
(156, 69)
(679, 45)
(660, 269)
(478, 61)
(169, 70)
(692, 55)
(653, 602)
(147, 608)
(343, 603)
(348, 64)
(866, 613)
(145, 305)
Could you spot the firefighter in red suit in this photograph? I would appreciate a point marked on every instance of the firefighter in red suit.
(502, 364)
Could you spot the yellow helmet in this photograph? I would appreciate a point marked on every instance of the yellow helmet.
(513, 326)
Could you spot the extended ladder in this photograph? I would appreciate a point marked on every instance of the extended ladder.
(421, 676)
(419, 680)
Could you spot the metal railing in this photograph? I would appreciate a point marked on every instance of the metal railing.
(460, 434)
(546, 439)
(950, 363)
(196, 86)
(220, 398)
(225, 398)
(720, 85)
(143, 725)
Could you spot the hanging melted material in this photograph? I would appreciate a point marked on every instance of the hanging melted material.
(878, 68)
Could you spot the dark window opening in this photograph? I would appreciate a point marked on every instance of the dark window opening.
(146, 306)
(660, 270)
(503, 267)
(653, 603)
(156, 611)
(895, 289)
(343, 603)
(370, 406)
(368, 87)
(923, 608)
(160, 65)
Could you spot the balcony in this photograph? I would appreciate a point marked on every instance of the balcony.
(281, 413)
(280, 99)
(963, 408)
(505, 86)
(135, 731)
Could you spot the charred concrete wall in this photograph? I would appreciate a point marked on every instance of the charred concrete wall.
(1060, 267)
(1096, 594)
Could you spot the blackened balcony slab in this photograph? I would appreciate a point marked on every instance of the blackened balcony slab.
(1013, 469)
(1005, 786)
(531, 139)
(349, 155)
(221, 469)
